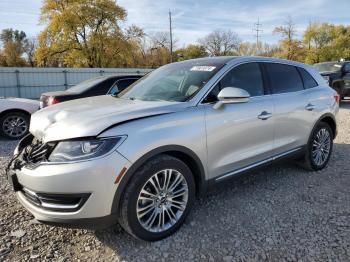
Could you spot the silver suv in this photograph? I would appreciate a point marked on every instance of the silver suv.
(140, 157)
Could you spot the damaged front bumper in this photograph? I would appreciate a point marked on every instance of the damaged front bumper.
(68, 194)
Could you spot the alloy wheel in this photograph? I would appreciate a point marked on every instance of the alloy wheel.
(321, 147)
(162, 200)
(14, 126)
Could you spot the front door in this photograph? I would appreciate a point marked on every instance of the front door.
(239, 135)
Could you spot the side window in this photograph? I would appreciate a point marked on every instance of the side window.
(100, 89)
(284, 78)
(309, 81)
(247, 76)
(121, 85)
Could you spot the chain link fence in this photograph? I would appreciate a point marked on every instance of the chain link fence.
(30, 82)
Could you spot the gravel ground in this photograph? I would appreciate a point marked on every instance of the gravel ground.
(281, 213)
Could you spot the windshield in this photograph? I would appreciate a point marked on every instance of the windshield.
(328, 67)
(87, 84)
(174, 82)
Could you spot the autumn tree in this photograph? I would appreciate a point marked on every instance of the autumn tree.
(81, 33)
(291, 47)
(190, 51)
(221, 43)
(326, 42)
(13, 42)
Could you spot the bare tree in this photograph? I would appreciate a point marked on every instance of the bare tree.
(265, 49)
(221, 42)
(160, 39)
(29, 50)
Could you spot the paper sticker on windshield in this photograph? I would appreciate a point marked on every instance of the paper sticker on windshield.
(203, 68)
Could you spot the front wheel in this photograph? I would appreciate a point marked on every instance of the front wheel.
(319, 148)
(158, 198)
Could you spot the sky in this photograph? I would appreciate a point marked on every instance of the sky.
(193, 19)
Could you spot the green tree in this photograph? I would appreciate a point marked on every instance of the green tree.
(326, 42)
(81, 33)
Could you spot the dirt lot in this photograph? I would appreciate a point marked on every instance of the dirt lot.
(281, 213)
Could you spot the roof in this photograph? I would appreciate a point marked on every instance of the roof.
(229, 59)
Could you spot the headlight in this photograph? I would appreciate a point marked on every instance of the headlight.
(77, 150)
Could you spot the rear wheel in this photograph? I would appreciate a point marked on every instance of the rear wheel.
(319, 148)
(14, 125)
(158, 199)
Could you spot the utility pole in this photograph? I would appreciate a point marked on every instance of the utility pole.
(171, 38)
(257, 31)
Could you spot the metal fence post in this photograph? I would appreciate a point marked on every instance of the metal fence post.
(18, 84)
(65, 79)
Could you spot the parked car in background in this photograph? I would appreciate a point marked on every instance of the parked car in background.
(101, 85)
(337, 74)
(141, 157)
(15, 116)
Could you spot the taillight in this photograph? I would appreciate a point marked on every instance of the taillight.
(337, 98)
(52, 101)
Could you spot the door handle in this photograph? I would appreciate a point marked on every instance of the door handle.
(310, 107)
(264, 115)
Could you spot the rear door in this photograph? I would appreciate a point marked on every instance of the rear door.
(239, 135)
(292, 117)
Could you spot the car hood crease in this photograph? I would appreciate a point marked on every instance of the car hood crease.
(90, 116)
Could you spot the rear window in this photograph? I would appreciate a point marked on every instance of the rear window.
(309, 81)
(284, 78)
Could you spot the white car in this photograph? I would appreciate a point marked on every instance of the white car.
(15, 116)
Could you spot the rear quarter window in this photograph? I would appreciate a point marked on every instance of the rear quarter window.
(309, 81)
(283, 78)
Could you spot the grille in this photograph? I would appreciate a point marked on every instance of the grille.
(32, 152)
(37, 151)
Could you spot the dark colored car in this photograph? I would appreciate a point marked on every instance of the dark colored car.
(92, 87)
(337, 74)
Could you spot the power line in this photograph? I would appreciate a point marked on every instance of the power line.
(257, 30)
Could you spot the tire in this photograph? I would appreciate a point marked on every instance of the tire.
(22, 121)
(310, 162)
(128, 216)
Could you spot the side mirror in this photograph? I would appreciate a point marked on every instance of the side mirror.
(230, 95)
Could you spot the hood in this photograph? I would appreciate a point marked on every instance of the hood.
(58, 93)
(23, 100)
(90, 116)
